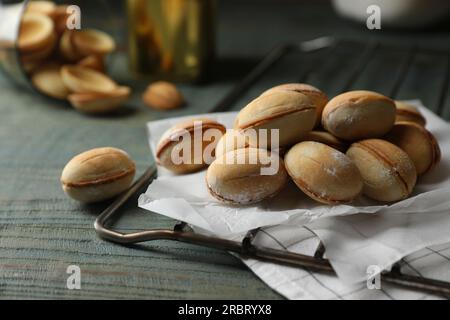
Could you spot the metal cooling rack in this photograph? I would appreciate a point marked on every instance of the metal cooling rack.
(183, 233)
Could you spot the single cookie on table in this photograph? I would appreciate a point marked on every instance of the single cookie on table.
(246, 176)
(326, 138)
(388, 172)
(163, 95)
(359, 115)
(319, 98)
(98, 174)
(323, 173)
(190, 145)
(292, 113)
(420, 144)
(407, 112)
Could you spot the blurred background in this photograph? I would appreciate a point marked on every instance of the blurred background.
(252, 27)
(245, 30)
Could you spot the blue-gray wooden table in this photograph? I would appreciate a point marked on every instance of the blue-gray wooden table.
(42, 232)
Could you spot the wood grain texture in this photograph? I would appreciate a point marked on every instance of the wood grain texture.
(42, 232)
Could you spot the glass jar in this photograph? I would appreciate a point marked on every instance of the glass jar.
(11, 14)
(171, 39)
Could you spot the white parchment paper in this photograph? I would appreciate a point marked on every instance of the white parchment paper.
(355, 236)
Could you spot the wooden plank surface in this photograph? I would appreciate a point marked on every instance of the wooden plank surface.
(42, 232)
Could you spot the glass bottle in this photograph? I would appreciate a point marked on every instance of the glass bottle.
(171, 39)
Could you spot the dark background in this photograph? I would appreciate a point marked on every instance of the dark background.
(252, 27)
(267, 22)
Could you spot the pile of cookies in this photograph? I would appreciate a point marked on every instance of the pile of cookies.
(359, 142)
(68, 64)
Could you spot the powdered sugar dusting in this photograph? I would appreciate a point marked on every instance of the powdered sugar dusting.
(254, 194)
(342, 159)
(331, 171)
(323, 194)
(249, 196)
(386, 174)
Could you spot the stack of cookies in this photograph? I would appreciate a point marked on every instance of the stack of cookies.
(68, 64)
(359, 142)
